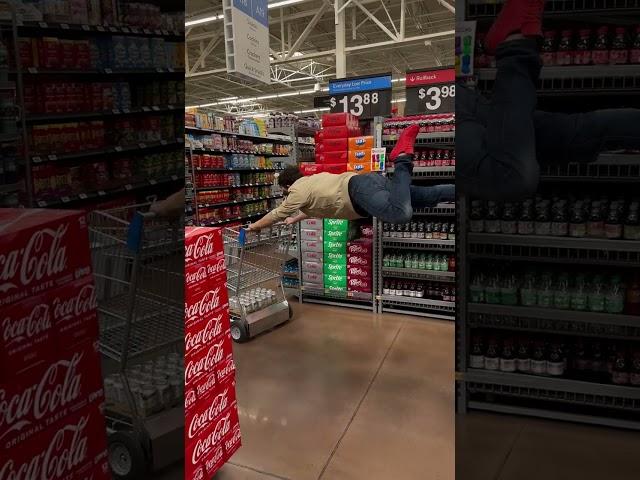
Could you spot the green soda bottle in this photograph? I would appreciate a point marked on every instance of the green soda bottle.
(562, 298)
(509, 291)
(615, 296)
(545, 293)
(422, 262)
(595, 298)
(528, 291)
(429, 262)
(477, 289)
(415, 261)
(492, 291)
(579, 294)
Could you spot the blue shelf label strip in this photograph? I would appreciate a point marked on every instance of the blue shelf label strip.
(360, 84)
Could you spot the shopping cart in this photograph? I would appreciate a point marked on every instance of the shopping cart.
(138, 263)
(257, 300)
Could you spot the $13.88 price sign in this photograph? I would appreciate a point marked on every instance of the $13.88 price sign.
(363, 97)
(431, 91)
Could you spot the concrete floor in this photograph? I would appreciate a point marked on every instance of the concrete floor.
(342, 394)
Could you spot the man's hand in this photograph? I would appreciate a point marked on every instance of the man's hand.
(252, 227)
(290, 220)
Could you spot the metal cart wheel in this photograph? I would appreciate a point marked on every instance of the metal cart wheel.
(126, 457)
(239, 331)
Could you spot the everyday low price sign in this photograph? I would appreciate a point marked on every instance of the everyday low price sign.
(363, 97)
(431, 91)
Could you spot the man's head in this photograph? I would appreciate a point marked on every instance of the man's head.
(288, 176)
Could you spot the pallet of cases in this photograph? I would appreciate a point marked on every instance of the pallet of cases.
(549, 296)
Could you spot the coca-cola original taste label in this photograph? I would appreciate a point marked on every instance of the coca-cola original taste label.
(36, 328)
(201, 419)
(202, 244)
(42, 249)
(73, 448)
(209, 366)
(201, 306)
(199, 335)
(43, 395)
(200, 276)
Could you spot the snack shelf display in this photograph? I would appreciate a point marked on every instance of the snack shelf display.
(99, 100)
(301, 131)
(549, 295)
(415, 266)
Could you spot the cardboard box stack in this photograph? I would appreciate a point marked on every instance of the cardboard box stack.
(312, 253)
(360, 261)
(212, 427)
(335, 237)
(51, 389)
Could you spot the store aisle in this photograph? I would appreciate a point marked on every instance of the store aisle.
(504, 447)
(342, 393)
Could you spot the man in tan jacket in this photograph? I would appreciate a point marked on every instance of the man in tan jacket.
(352, 196)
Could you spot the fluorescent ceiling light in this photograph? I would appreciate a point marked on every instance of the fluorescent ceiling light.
(306, 92)
(228, 99)
(312, 110)
(267, 97)
(398, 80)
(214, 18)
(288, 94)
(200, 21)
(399, 100)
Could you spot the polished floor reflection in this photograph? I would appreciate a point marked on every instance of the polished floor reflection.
(342, 394)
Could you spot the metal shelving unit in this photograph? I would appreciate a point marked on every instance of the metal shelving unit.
(296, 132)
(570, 398)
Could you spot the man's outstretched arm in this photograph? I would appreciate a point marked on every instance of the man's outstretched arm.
(172, 206)
(292, 203)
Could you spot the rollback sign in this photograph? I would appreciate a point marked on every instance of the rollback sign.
(431, 91)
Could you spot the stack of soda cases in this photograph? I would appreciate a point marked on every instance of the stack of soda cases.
(332, 144)
(311, 253)
(212, 427)
(335, 238)
(360, 261)
(51, 415)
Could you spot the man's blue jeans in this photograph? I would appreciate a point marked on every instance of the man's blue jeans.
(393, 200)
(500, 142)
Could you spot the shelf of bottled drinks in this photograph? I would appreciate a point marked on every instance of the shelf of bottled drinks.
(549, 290)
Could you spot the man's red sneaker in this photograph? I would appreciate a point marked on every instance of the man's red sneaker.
(516, 16)
(406, 142)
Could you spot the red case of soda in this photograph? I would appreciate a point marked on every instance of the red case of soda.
(357, 271)
(333, 145)
(359, 284)
(362, 246)
(310, 168)
(335, 167)
(199, 276)
(201, 244)
(205, 304)
(42, 249)
(359, 261)
(200, 420)
(339, 119)
(332, 158)
(340, 132)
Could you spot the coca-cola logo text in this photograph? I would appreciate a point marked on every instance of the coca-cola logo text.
(66, 451)
(189, 399)
(233, 440)
(199, 367)
(213, 462)
(202, 248)
(212, 329)
(201, 420)
(207, 304)
(60, 385)
(44, 255)
(205, 271)
(227, 370)
(206, 444)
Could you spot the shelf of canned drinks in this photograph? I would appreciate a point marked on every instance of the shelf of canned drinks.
(268, 138)
(238, 169)
(156, 386)
(576, 80)
(419, 274)
(609, 168)
(216, 187)
(559, 254)
(424, 139)
(553, 389)
(419, 302)
(443, 173)
(50, 28)
(237, 202)
(573, 322)
(576, 317)
(477, 9)
(253, 300)
(443, 245)
(223, 151)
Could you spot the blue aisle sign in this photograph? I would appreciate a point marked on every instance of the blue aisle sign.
(363, 97)
(249, 56)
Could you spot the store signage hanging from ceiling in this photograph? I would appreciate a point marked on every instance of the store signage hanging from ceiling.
(364, 97)
(431, 91)
(246, 35)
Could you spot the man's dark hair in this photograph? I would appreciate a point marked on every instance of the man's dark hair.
(289, 175)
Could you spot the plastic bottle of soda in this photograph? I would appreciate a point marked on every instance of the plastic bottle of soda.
(579, 294)
(632, 222)
(620, 375)
(527, 215)
(634, 52)
(595, 225)
(582, 54)
(619, 54)
(539, 358)
(548, 49)
(446, 159)
(562, 297)
(429, 262)
(452, 263)
(577, 223)
(492, 218)
(476, 219)
(509, 291)
(477, 352)
(633, 296)
(600, 54)
(613, 224)
(523, 358)
(615, 296)
(508, 355)
(492, 354)
(555, 360)
(422, 262)
(508, 221)
(564, 56)
(477, 289)
(529, 290)
(595, 299)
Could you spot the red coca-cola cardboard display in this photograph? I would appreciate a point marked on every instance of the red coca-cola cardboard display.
(198, 277)
(340, 132)
(41, 396)
(200, 420)
(42, 249)
(310, 168)
(201, 306)
(338, 119)
(207, 367)
(71, 448)
(37, 329)
(199, 335)
(202, 244)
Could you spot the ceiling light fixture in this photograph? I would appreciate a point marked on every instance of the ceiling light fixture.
(312, 110)
(214, 18)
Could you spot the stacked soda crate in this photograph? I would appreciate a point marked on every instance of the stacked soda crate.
(51, 390)
(360, 262)
(335, 238)
(312, 254)
(340, 146)
(212, 427)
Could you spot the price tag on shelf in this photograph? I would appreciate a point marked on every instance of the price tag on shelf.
(32, 70)
(155, 108)
(113, 29)
(165, 32)
(147, 31)
(431, 91)
(170, 70)
(64, 26)
(83, 196)
(146, 109)
(65, 199)
(363, 97)
(125, 29)
(135, 29)
(160, 70)
(86, 28)
(108, 70)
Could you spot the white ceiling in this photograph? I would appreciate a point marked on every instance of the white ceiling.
(207, 82)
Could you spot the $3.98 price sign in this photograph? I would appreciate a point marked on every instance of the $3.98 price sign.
(363, 97)
(431, 92)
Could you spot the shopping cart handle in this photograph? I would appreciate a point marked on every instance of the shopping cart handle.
(242, 237)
